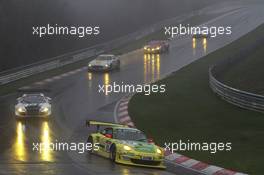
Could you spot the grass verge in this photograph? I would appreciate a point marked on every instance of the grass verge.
(252, 80)
(189, 110)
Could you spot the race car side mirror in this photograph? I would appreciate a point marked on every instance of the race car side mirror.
(150, 140)
(109, 136)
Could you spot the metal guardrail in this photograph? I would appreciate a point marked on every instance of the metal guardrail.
(237, 97)
(72, 57)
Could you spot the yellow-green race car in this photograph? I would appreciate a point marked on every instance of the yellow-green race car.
(125, 145)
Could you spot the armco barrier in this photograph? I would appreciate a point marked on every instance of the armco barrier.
(69, 58)
(237, 97)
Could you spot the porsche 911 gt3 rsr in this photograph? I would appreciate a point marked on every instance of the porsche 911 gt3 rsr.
(29, 105)
(104, 63)
(156, 47)
(125, 145)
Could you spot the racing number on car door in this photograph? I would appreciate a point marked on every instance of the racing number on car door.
(105, 142)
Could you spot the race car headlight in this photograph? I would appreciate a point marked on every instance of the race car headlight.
(158, 48)
(152, 49)
(44, 109)
(21, 109)
(159, 151)
(106, 65)
(127, 148)
(90, 65)
(145, 48)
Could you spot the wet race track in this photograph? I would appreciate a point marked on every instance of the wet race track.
(76, 98)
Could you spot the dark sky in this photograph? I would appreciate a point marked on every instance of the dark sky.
(115, 17)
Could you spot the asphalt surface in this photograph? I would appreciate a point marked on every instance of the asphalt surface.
(76, 98)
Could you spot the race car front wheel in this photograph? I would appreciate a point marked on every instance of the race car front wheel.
(113, 153)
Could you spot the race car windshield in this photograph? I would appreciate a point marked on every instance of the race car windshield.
(33, 99)
(102, 58)
(129, 134)
(154, 43)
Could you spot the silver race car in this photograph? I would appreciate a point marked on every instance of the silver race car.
(31, 105)
(104, 63)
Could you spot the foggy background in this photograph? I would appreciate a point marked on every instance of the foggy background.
(115, 17)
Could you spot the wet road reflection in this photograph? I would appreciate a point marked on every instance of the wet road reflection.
(106, 82)
(20, 148)
(46, 154)
(27, 133)
(158, 66)
(90, 76)
(204, 43)
(131, 170)
(151, 67)
(194, 46)
(125, 171)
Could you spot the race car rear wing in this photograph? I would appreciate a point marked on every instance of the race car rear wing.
(40, 91)
(92, 122)
(98, 124)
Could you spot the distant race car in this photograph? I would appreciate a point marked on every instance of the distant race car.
(156, 47)
(125, 145)
(104, 63)
(33, 105)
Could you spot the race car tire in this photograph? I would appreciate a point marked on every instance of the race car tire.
(113, 153)
(90, 140)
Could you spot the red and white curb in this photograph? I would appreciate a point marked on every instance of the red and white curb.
(122, 116)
